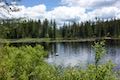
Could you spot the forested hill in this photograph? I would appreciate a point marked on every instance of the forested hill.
(16, 29)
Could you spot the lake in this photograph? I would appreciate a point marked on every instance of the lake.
(81, 54)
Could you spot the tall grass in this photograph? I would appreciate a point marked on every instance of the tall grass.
(27, 63)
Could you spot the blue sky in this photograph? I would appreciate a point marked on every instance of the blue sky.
(50, 4)
(68, 10)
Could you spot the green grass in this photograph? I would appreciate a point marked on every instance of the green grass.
(39, 40)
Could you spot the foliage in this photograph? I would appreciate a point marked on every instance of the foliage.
(99, 48)
(15, 29)
(20, 63)
(27, 63)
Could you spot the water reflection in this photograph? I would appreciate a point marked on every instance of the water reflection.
(81, 54)
(71, 54)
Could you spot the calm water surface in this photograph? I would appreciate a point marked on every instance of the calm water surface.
(81, 54)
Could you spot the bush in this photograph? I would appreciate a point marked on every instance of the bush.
(20, 63)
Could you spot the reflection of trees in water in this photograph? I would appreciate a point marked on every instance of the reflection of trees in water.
(54, 48)
(75, 47)
(84, 51)
(91, 55)
(112, 51)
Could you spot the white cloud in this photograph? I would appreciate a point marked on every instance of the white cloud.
(72, 10)
(61, 13)
(90, 3)
(105, 12)
(66, 13)
(93, 8)
(4, 13)
(34, 12)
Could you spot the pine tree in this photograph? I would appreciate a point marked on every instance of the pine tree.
(54, 29)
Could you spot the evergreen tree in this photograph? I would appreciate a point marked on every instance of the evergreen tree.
(54, 29)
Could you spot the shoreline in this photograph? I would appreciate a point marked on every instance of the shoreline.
(40, 40)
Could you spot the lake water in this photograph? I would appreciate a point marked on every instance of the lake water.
(81, 54)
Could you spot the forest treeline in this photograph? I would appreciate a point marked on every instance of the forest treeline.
(15, 29)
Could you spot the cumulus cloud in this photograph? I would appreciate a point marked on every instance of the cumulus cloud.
(61, 13)
(72, 10)
(90, 3)
(105, 12)
(64, 13)
(104, 9)
(34, 12)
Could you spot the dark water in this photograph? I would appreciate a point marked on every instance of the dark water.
(82, 54)
(79, 54)
(71, 54)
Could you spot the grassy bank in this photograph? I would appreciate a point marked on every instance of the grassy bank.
(39, 40)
